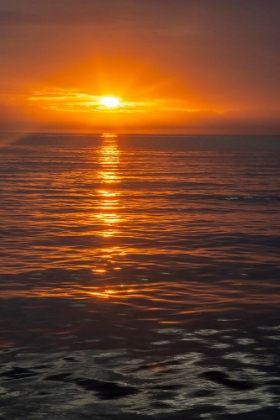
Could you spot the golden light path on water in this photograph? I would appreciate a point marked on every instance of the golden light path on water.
(109, 203)
(109, 160)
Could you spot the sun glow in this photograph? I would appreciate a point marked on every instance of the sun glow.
(109, 101)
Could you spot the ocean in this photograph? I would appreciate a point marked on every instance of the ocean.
(139, 277)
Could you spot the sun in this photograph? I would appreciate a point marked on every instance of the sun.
(109, 101)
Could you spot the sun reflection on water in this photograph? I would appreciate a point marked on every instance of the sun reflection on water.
(105, 294)
(109, 203)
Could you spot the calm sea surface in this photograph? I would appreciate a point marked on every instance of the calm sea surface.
(139, 277)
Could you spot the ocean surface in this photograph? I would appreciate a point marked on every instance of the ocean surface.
(139, 277)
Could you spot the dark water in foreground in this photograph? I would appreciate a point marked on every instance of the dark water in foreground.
(139, 278)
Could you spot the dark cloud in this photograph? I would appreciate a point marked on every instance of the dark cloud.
(207, 15)
(11, 18)
(66, 12)
(228, 28)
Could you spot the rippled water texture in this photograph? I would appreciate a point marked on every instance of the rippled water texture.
(139, 278)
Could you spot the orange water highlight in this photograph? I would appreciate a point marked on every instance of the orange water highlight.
(109, 197)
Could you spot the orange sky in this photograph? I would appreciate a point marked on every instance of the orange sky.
(205, 66)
